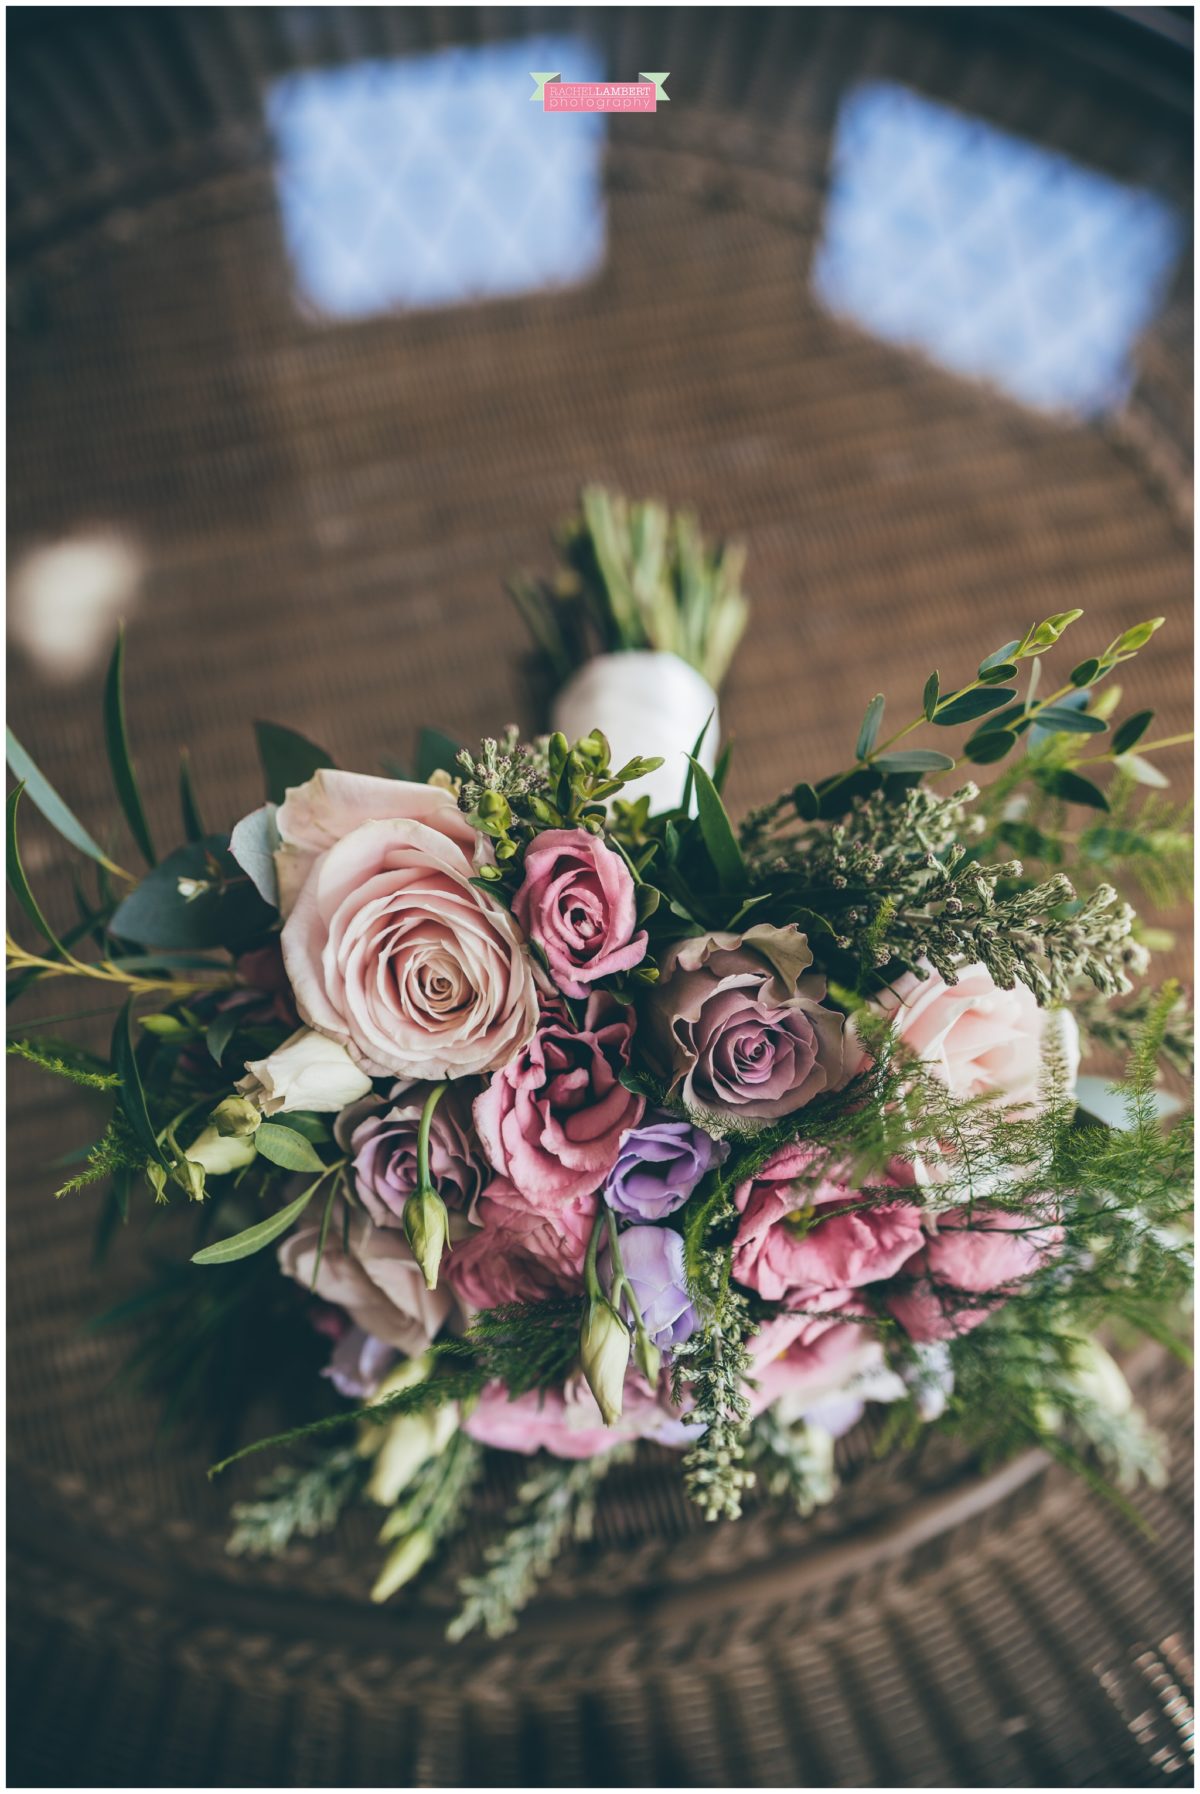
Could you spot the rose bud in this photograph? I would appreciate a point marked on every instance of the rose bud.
(307, 1072)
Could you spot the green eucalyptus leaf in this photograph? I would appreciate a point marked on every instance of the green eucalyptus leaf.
(1143, 771)
(116, 738)
(1058, 720)
(220, 1033)
(807, 803)
(998, 675)
(930, 696)
(287, 1148)
(992, 745)
(717, 831)
(44, 797)
(914, 760)
(253, 1239)
(868, 734)
(965, 708)
(132, 1092)
(288, 758)
(1131, 731)
(1072, 788)
(226, 911)
(18, 883)
(314, 1127)
(1001, 658)
(1085, 672)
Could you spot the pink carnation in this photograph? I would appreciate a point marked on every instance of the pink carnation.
(578, 903)
(519, 1254)
(808, 1248)
(976, 1253)
(552, 1120)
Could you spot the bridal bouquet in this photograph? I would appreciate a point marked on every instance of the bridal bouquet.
(530, 1105)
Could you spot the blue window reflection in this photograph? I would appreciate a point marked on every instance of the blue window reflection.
(430, 180)
(996, 257)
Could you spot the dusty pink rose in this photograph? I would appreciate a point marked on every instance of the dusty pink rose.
(551, 1121)
(979, 1039)
(738, 1025)
(389, 947)
(805, 1246)
(374, 1278)
(578, 902)
(566, 1422)
(970, 1265)
(809, 1358)
(519, 1253)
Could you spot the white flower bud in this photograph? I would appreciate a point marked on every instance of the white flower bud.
(306, 1072)
(236, 1117)
(218, 1154)
(409, 1442)
(604, 1353)
(427, 1227)
(402, 1563)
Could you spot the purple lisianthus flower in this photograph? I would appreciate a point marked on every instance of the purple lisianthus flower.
(359, 1364)
(653, 1260)
(659, 1165)
(383, 1142)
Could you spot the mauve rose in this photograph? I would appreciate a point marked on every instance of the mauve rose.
(975, 1260)
(653, 1261)
(980, 1040)
(566, 1422)
(359, 1364)
(382, 1137)
(738, 1026)
(374, 1277)
(389, 947)
(518, 1253)
(659, 1165)
(578, 902)
(806, 1247)
(551, 1121)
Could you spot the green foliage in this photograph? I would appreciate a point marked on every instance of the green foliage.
(114, 1154)
(64, 1060)
(288, 758)
(636, 577)
(304, 1499)
(43, 795)
(792, 1462)
(554, 1505)
(713, 1367)
(120, 761)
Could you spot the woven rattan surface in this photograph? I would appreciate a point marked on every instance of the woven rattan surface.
(325, 511)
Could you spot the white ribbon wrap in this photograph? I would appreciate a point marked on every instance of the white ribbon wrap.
(647, 703)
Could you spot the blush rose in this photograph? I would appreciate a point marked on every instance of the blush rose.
(577, 901)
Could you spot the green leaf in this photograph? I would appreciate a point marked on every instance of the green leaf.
(1001, 658)
(117, 740)
(807, 803)
(990, 746)
(685, 802)
(304, 1121)
(868, 735)
(717, 830)
(286, 1148)
(193, 823)
(970, 704)
(1144, 771)
(1085, 672)
(45, 798)
(287, 757)
(1131, 731)
(226, 912)
(914, 760)
(721, 770)
(1072, 788)
(220, 1033)
(133, 1094)
(17, 880)
(929, 698)
(253, 1239)
(1058, 720)
(435, 753)
(998, 675)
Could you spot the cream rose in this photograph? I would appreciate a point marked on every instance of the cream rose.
(306, 1072)
(389, 947)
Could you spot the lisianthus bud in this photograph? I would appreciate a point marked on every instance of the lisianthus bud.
(236, 1117)
(427, 1226)
(402, 1563)
(217, 1154)
(604, 1352)
(649, 1358)
(408, 1443)
(306, 1072)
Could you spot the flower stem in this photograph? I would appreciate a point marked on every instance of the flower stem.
(424, 1181)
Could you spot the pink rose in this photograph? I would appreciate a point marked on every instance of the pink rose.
(518, 1253)
(389, 947)
(375, 1279)
(578, 902)
(980, 1040)
(808, 1246)
(809, 1359)
(552, 1120)
(975, 1260)
(739, 1027)
(566, 1422)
